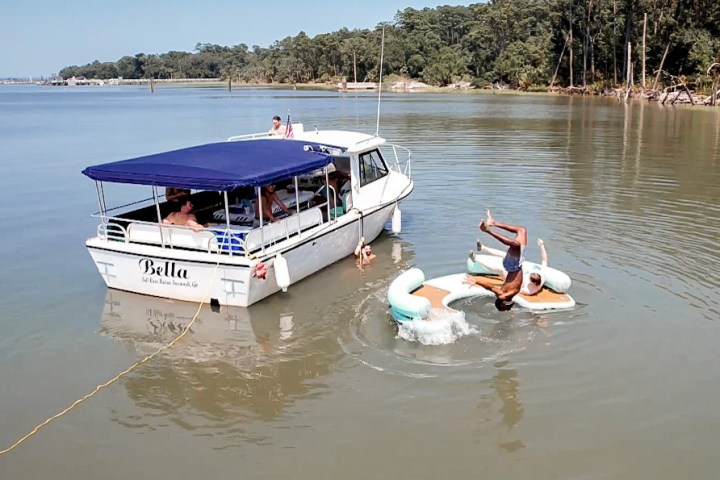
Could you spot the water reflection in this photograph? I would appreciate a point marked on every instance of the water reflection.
(506, 388)
(234, 364)
(239, 364)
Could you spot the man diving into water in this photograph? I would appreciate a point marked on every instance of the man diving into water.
(512, 263)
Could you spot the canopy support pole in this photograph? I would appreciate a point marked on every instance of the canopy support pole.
(227, 223)
(159, 215)
(101, 201)
(297, 203)
(327, 192)
(262, 230)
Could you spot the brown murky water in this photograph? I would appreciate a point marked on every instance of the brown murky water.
(316, 383)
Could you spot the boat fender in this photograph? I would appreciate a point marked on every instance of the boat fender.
(282, 274)
(397, 220)
(402, 301)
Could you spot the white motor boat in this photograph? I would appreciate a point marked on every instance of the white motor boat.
(135, 251)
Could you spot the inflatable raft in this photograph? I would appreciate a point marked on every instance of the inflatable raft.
(554, 279)
(411, 297)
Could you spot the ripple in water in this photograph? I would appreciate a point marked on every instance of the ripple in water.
(475, 335)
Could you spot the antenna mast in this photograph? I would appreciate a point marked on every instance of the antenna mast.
(382, 53)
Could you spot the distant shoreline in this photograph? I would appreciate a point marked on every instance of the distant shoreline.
(674, 98)
(215, 83)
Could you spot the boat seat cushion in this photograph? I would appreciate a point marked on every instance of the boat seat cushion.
(174, 236)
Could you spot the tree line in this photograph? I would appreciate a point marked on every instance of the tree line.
(595, 44)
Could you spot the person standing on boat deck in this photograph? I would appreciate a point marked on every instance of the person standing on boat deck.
(278, 128)
(184, 217)
(512, 263)
(533, 277)
(269, 197)
(363, 253)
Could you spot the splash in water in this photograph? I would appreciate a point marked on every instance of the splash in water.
(441, 327)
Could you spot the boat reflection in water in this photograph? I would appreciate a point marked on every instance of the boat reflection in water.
(235, 363)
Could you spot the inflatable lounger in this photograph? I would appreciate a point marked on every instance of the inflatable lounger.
(411, 297)
(554, 279)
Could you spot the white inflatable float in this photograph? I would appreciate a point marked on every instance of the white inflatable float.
(554, 279)
(411, 297)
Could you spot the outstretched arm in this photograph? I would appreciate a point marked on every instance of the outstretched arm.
(360, 244)
(543, 252)
(490, 284)
(480, 281)
(280, 203)
(194, 225)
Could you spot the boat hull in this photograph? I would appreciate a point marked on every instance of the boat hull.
(228, 280)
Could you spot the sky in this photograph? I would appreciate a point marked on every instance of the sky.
(40, 37)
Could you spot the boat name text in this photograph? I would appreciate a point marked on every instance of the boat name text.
(164, 273)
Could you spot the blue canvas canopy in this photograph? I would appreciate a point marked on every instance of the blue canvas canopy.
(217, 166)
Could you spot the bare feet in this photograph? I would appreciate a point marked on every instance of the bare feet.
(483, 227)
(478, 245)
(489, 220)
(471, 255)
(470, 280)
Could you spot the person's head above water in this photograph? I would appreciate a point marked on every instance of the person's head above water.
(503, 305)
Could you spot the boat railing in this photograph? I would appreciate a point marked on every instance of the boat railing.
(297, 129)
(126, 230)
(273, 233)
(112, 232)
(400, 160)
(147, 201)
(213, 239)
(251, 136)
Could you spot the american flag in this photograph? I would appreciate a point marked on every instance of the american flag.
(288, 129)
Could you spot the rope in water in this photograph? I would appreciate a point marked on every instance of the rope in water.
(116, 377)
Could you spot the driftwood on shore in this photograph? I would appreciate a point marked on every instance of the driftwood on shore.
(679, 94)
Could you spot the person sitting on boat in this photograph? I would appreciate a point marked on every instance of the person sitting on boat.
(512, 263)
(278, 128)
(336, 180)
(363, 253)
(175, 198)
(269, 197)
(184, 217)
(533, 277)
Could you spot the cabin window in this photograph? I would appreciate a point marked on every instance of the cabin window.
(372, 167)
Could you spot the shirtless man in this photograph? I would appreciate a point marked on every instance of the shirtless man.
(363, 253)
(512, 263)
(533, 276)
(269, 197)
(184, 217)
(278, 128)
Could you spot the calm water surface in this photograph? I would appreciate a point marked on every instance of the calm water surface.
(316, 383)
